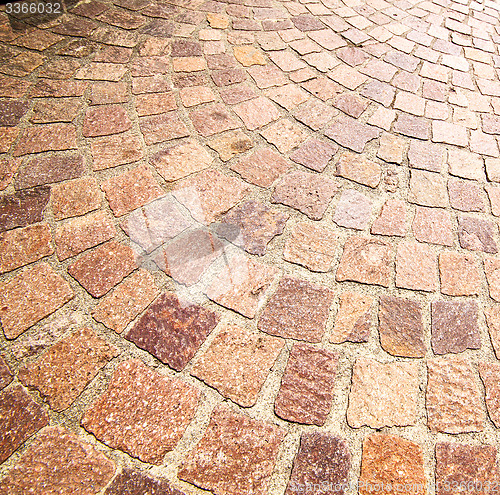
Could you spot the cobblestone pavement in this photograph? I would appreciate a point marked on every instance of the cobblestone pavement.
(250, 247)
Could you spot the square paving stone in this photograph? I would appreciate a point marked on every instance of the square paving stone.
(298, 310)
(103, 120)
(262, 167)
(20, 247)
(106, 266)
(237, 363)
(306, 391)
(490, 376)
(59, 458)
(133, 482)
(416, 266)
(206, 194)
(172, 330)
(213, 119)
(131, 190)
(252, 226)
(454, 326)
(477, 234)
(118, 308)
(20, 418)
(322, 460)
(389, 460)
(453, 400)
(465, 465)
(142, 413)
(63, 371)
(401, 327)
(111, 151)
(365, 260)
(75, 197)
(306, 192)
(353, 319)
(314, 154)
(460, 274)
(162, 127)
(236, 455)
(30, 296)
(351, 134)
(383, 394)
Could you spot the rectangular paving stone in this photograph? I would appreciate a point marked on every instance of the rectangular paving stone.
(47, 137)
(62, 372)
(162, 127)
(306, 391)
(20, 418)
(131, 190)
(118, 308)
(111, 151)
(237, 363)
(383, 394)
(134, 482)
(453, 400)
(142, 413)
(460, 274)
(298, 310)
(172, 330)
(30, 296)
(75, 197)
(82, 233)
(98, 271)
(236, 455)
(322, 460)
(20, 247)
(353, 319)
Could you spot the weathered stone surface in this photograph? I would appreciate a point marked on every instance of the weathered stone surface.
(297, 310)
(5, 374)
(58, 461)
(49, 137)
(306, 391)
(453, 401)
(285, 135)
(401, 327)
(30, 296)
(352, 134)
(454, 326)
(309, 193)
(62, 373)
(359, 169)
(490, 376)
(427, 189)
(103, 120)
(460, 275)
(236, 455)
(322, 460)
(241, 285)
(172, 330)
(383, 394)
(230, 144)
(20, 417)
(133, 482)
(391, 461)
(111, 151)
(311, 246)
(465, 465)
(365, 260)
(353, 319)
(492, 315)
(433, 225)
(103, 268)
(237, 363)
(353, 210)
(206, 204)
(477, 234)
(262, 167)
(131, 190)
(118, 308)
(75, 197)
(392, 219)
(314, 154)
(213, 119)
(252, 226)
(40, 171)
(416, 266)
(162, 127)
(142, 412)
(82, 233)
(20, 247)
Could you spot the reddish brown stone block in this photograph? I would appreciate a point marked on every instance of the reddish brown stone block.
(390, 463)
(62, 372)
(20, 247)
(416, 266)
(58, 458)
(453, 401)
(111, 151)
(104, 120)
(490, 375)
(401, 327)
(365, 260)
(298, 310)
(172, 330)
(213, 119)
(20, 418)
(162, 127)
(353, 319)
(131, 190)
(306, 391)
(133, 482)
(82, 233)
(460, 274)
(5, 374)
(30, 296)
(101, 269)
(50, 137)
(322, 460)
(142, 412)
(236, 455)
(237, 363)
(383, 394)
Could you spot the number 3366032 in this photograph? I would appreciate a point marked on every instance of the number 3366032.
(33, 8)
